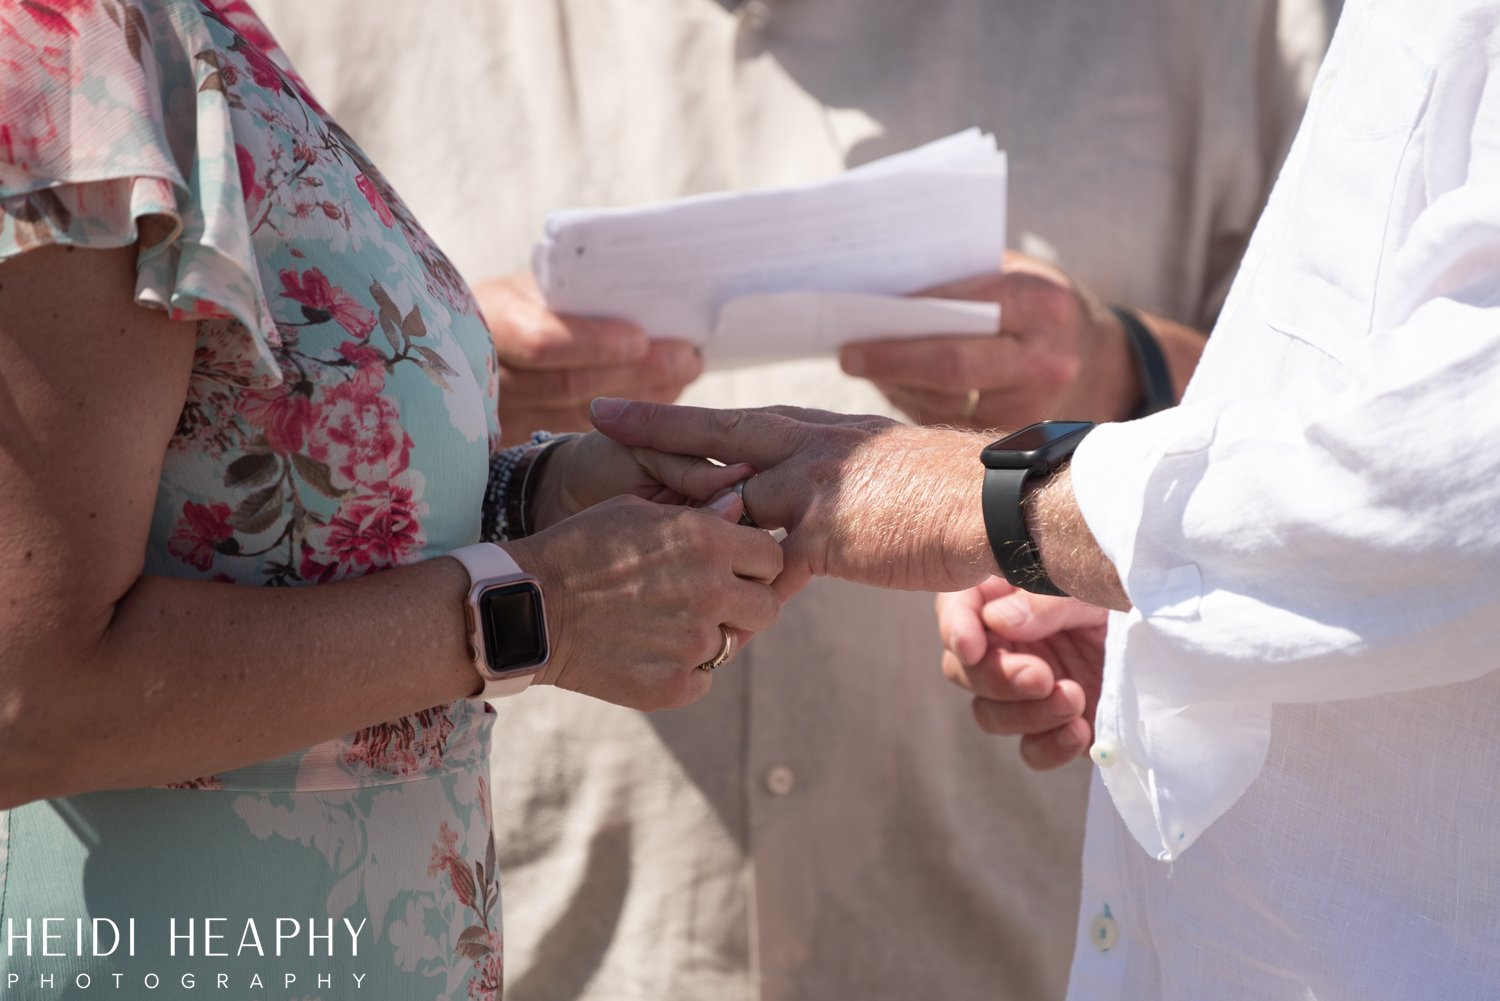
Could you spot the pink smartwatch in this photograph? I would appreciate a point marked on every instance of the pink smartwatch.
(506, 619)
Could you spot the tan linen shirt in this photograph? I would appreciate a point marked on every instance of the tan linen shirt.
(828, 823)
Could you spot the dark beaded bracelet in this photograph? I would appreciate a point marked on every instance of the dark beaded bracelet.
(503, 516)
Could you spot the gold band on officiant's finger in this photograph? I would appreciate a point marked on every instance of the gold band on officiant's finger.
(725, 652)
(971, 404)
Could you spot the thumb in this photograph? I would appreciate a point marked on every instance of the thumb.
(1023, 617)
(726, 506)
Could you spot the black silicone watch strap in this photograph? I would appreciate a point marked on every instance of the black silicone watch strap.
(1005, 523)
(1150, 364)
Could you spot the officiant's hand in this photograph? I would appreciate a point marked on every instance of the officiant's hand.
(1058, 353)
(551, 366)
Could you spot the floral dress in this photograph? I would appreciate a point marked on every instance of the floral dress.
(339, 421)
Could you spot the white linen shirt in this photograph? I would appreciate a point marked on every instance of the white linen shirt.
(1298, 716)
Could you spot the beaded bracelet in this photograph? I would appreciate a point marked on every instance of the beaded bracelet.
(504, 514)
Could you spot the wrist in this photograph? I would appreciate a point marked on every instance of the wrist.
(966, 551)
(1108, 385)
(545, 497)
(1067, 548)
(533, 555)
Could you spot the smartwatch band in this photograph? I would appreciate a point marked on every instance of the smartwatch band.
(1010, 539)
(1157, 392)
(487, 563)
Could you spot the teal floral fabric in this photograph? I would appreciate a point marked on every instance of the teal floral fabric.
(338, 422)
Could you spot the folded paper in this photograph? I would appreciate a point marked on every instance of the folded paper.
(889, 228)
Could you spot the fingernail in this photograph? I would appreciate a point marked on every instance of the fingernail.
(1011, 612)
(606, 408)
(853, 361)
(723, 502)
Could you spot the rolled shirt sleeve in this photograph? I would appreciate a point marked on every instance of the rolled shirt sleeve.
(1300, 547)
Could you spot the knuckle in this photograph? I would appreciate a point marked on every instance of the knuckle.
(728, 421)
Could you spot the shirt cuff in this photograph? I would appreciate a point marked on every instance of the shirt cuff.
(1171, 768)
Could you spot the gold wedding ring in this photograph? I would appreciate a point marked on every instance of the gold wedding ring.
(725, 651)
(745, 518)
(971, 404)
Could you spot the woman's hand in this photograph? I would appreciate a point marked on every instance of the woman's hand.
(586, 471)
(1033, 663)
(863, 498)
(637, 594)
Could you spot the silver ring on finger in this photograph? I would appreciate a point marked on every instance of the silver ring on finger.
(725, 652)
(745, 519)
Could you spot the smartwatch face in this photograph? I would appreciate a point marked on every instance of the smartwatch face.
(1040, 443)
(515, 627)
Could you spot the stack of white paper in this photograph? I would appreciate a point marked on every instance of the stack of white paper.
(896, 226)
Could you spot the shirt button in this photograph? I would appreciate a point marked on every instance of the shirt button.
(1102, 931)
(1104, 753)
(780, 780)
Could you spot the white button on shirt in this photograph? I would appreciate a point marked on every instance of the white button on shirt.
(780, 780)
(1301, 707)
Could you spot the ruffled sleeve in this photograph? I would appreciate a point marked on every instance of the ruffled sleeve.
(115, 129)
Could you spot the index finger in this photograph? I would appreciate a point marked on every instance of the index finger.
(758, 438)
(961, 626)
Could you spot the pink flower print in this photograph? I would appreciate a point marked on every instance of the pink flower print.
(369, 364)
(322, 301)
(262, 70)
(359, 435)
(376, 200)
(210, 782)
(403, 747)
(445, 858)
(238, 15)
(484, 985)
(374, 532)
(253, 192)
(54, 15)
(283, 416)
(313, 570)
(199, 533)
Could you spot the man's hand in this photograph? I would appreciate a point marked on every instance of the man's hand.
(1059, 354)
(862, 498)
(1033, 664)
(551, 365)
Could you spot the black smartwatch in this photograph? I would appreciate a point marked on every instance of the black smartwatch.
(1010, 463)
